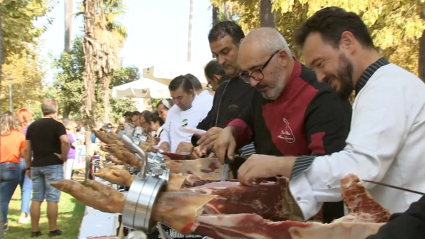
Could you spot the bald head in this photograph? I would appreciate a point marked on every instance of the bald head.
(265, 61)
(267, 39)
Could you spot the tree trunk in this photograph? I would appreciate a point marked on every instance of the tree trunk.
(105, 97)
(215, 20)
(228, 11)
(68, 24)
(421, 70)
(267, 17)
(88, 76)
(189, 47)
(1, 62)
(65, 116)
(215, 14)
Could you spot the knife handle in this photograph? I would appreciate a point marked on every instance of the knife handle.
(227, 160)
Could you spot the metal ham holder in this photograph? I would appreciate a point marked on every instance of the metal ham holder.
(150, 181)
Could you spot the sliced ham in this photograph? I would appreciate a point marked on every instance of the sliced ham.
(271, 200)
(204, 168)
(360, 203)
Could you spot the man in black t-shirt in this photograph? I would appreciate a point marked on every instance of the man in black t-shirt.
(48, 141)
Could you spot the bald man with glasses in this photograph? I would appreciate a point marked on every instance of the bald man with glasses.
(291, 112)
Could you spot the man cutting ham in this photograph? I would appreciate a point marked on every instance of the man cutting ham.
(386, 141)
(291, 113)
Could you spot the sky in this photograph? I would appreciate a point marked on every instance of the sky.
(157, 32)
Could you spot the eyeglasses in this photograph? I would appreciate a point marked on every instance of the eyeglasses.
(209, 85)
(257, 75)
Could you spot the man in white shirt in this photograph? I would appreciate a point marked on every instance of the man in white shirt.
(386, 142)
(204, 95)
(184, 116)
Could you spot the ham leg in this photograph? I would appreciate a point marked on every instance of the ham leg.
(115, 176)
(251, 226)
(97, 195)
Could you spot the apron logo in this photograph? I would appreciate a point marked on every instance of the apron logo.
(184, 123)
(287, 134)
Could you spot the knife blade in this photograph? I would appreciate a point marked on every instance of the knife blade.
(227, 161)
(395, 187)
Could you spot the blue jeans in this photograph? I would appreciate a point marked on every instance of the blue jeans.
(9, 181)
(26, 188)
(41, 179)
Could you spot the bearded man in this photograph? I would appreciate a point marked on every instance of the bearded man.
(291, 112)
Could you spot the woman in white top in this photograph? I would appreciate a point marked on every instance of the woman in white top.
(162, 107)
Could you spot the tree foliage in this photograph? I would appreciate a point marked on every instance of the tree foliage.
(395, 26)
(19, 31)
(26, 70)
(68, 85)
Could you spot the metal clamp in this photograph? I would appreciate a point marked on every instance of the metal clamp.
(140, 201)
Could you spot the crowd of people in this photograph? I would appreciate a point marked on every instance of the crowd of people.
(31, 158)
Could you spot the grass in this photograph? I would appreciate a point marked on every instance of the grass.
(70, 216)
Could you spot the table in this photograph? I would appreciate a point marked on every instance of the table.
(97, 223)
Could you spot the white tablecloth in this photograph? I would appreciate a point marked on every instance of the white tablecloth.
(97, 223)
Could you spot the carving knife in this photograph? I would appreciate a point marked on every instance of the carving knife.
(391, 186)
(227, 161)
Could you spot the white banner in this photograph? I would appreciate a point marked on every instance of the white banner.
(80, 157)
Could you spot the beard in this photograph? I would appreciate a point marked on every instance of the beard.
(343, 80)
(230, 69)
(276, 87)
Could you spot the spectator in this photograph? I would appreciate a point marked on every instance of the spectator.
(163, 106)
(69, 163)
(25, 182)
(12, 147)
(214, 73)
(50, 144)
(205, 98)
(79, 137)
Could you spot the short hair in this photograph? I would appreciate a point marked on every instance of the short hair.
(181, 82)
(78, 129)
(195, 81)
(49, 106)
(135, 113)
(168, 103)
(126, 114)
(213, 68)
(330, 23)
(154, 117)
(145, 114)
(226, 28)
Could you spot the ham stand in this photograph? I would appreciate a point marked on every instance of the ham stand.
(151, 180)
